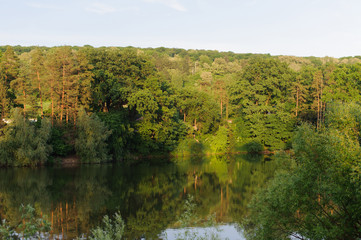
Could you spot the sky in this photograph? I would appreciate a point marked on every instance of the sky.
(279, 27)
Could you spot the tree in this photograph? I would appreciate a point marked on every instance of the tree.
(53, 81)
(112, 229)
(344, 83)
(157, 120)
(262, 96)
(205, 81)
(318, 85)
(90, 144)
(117, 75)
(299, 91)
(21, 86)
(79, 93)
(69, 82)
(199, 110)
(32, 226)
(37, 73)
(317, 194)
(220, 142)
(9, 70)
(24, 143)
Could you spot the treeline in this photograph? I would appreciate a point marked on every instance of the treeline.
(129, 101)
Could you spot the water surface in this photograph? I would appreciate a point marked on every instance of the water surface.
(149, 197)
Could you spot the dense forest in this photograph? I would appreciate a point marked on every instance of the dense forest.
(112, 103)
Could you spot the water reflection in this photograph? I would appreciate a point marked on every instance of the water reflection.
(229, 232)
(150, 198)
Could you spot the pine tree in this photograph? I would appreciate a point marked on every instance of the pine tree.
(21, 86)
(299, 91)
(52, 83)
(9, 70)
(317, 86)
(37, 72)
(79, 93)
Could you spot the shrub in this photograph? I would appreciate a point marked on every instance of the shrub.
(90, 144)
(25, 144)
(253, 147)
(111, 229)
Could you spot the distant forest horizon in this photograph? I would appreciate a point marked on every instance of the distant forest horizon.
(20, 48)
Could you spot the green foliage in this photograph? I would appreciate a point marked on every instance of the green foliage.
(262, 95)
(344, 83)
(111, 229)
(199, 111)
(6, 232)
(190, 149)
(9, 70)
(118, 73)
(317, 196)
(60, 145)
(158, 126)
(346, 118)
(122, 134)
(253, 157)
(189, 219)
(253, 147)
(24, 144)
(32, 226)
(220, 143)
(90, 144)
(152, 98)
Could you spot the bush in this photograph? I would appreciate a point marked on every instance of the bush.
(317, 194)
(111, 229)
(57, 141)
(32, 226)
(90, 144)
(25, 144)
(253, 147)
(219, 142)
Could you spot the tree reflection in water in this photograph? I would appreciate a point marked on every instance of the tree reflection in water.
(149, 198)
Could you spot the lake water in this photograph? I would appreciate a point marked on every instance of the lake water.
(150, 197)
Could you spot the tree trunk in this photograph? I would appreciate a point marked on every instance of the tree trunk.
(62, 96)
(24, 93)
(221, 202)
(321, 104)
(40, 95)
(227, 109)
(52, 105)
(297, 101)
(318, 110)
(67, 107)
(221, 107)
(76, 110)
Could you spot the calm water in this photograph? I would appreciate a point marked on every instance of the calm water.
(149, 198)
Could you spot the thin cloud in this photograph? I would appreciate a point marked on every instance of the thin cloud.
(100, 8)
(174, 4)
(43, 6)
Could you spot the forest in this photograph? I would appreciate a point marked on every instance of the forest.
(126, 104)
(130, 105)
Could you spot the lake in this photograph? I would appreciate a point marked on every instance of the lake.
(150, 197)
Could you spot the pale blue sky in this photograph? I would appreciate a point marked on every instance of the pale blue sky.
(280, 27)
